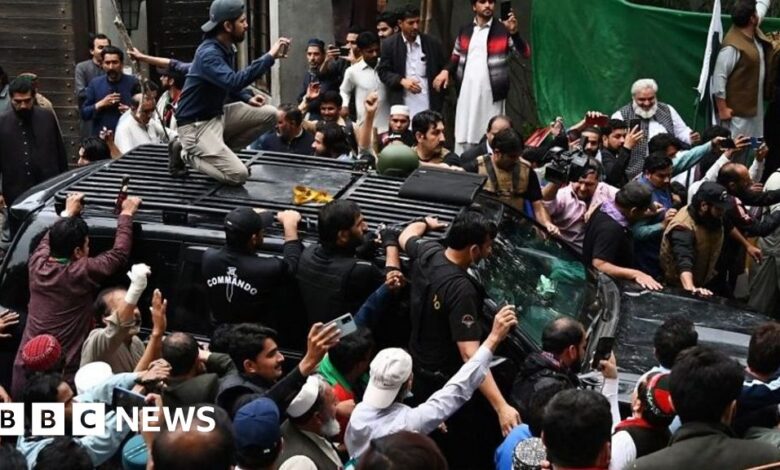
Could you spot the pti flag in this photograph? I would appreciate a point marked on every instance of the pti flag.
(714, 38)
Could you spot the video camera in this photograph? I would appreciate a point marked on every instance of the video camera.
(564, 166)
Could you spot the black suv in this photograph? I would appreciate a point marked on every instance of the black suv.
(180, 218)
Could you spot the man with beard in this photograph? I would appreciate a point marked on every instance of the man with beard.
(617, 142)
(570, 206)
(330, 141)
(332, 280)
(138, 126)
(386, 24)
(445, 309)
(428, 128)
(289, 136)
(654, 116)
(362, 79)
(479, 61)
(693, 239)
(312, 426)
(563, 352)
(511, 179)
(324, 77)
(32, 150)
(590, 139)
(329, 111)
(241, 286)
(109, 95)
(398, 129)
(209, 129)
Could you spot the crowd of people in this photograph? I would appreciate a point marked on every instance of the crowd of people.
(638, 193)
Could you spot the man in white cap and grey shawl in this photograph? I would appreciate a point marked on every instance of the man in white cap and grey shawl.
(312, 425)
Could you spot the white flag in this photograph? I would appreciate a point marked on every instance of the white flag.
(714, 38)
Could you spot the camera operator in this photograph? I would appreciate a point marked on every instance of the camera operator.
(569, 205)
(512, 179)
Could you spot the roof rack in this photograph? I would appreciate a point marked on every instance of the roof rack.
(269, 186)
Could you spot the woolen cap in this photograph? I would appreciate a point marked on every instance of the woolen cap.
(247, 220)
(222, 10)
(390, 369)
(41, 353)
(257, 425)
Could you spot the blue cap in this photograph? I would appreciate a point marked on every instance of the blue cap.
(134, 454)
(257, 425)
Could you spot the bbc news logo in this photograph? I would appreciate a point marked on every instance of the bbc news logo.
(89, 419)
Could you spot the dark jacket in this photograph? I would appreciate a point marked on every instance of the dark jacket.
(99, 88)
(392, 67)
(212, 78)
(469, 157)
(298, 443)
(30, 153)
(201, 388)
(615, 166)
(705, 445)
(273, 142)
(539, 371)
(499, 45)
(238, 389)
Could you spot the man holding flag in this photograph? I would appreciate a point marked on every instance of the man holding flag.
(738, 81)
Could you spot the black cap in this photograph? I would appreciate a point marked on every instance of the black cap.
(713, 193)
(247, 220)
(223, 10)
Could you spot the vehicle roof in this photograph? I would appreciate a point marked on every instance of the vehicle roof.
(199, 201)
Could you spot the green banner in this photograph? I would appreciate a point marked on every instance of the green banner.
(587, 53)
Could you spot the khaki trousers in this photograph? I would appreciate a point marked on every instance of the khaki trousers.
(210, 145)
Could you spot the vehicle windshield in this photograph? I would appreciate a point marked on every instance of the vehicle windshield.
(540, 276)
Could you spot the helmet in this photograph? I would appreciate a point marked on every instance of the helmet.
(397, 160)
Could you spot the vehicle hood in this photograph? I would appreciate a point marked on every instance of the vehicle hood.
(720, 324)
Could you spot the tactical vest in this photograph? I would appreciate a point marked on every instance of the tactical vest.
(707, 250)
(323, 284)
(509, 187)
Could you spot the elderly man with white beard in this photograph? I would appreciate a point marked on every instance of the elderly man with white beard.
(312, 427)
(654, 118)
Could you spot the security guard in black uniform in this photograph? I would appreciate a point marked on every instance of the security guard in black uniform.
(243, 287)
(332, 280)
(446, 303)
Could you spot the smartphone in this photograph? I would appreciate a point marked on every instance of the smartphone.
(600, 121)
(633, 123)
(728, 143)
(603, 351)
(506, 8)
(344, 51)
(126, 399)
(755, 142)
(345, 324)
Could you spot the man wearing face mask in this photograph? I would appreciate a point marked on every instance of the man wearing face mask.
(362, 79)
(32, 150)
(446, 303)
(312, 426)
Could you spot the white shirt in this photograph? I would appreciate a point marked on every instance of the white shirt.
(681, 130)
(367, 422)
(475, 102)
(415, 68)
(129, 133)
(362, 79)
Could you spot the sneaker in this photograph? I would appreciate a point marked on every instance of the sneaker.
(176, 165)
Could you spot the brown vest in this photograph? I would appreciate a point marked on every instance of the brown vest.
(508, 186)
(742, 84)
(707, 250)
